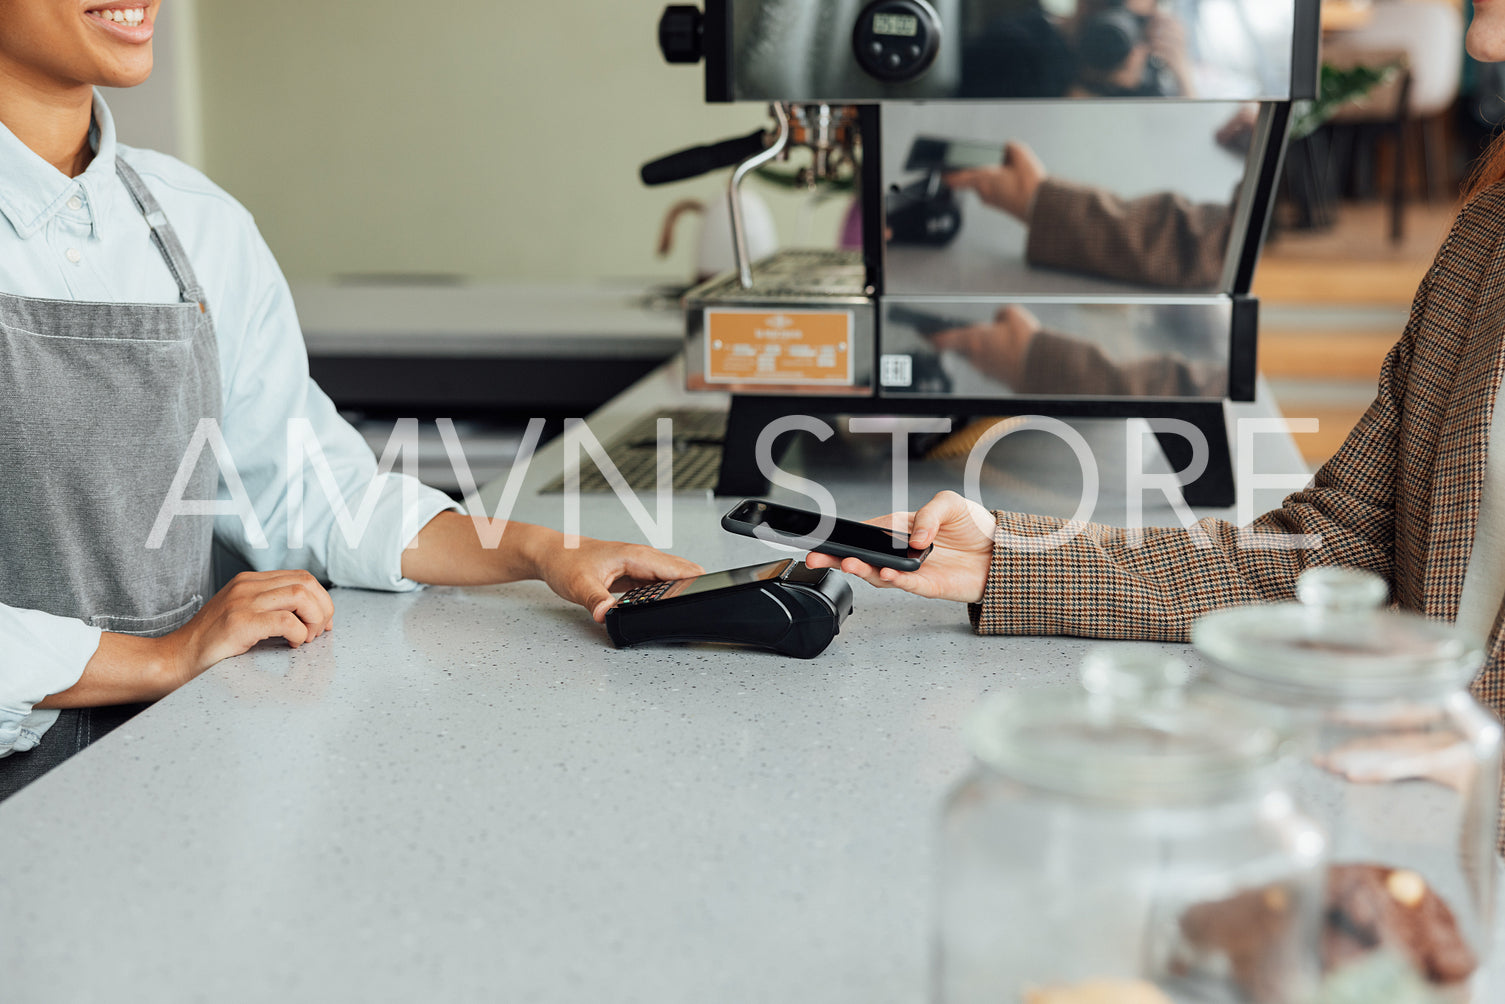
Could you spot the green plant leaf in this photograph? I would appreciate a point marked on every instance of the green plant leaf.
(1337, 88)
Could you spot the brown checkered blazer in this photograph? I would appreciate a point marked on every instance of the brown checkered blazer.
(1158, 240)
(1400, 498)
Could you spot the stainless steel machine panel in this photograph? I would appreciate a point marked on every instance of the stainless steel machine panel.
(1138, 197)
(854, 50)
(1165, 121)
(805, 328)
(1166, 348)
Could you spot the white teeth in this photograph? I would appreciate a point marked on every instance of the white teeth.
(131, 16)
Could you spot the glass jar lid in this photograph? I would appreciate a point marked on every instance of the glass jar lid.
(1337, 643)
(1138, 731)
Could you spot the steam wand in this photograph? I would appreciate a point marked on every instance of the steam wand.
(734, 189)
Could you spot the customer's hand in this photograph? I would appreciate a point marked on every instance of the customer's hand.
(1237, 133)
(997, 350)
(962, 532)
(1009, 187)
(590, 573)
(253, 607)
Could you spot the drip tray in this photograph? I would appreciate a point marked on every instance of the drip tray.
(698, 439)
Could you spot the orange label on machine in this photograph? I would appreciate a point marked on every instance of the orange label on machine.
(782, 347)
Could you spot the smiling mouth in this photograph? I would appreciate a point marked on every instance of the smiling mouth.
(131, 17)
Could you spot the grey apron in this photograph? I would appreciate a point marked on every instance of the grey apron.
(98, 403)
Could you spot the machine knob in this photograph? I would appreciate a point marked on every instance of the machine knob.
(896, 41)
(679, 33)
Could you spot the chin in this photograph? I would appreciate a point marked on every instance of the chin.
(128, 80)
(124, 76)
(1486, 48)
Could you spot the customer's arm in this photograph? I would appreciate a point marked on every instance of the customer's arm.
(1015, 349)
(1061, 364)
(1161, 240)
(1099, 582)
(1109, 582)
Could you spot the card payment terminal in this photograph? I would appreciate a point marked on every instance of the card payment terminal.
(781, 605)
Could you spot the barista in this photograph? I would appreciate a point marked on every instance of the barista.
(138, 302)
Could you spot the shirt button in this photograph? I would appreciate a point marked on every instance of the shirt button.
(73, 255)
(75, 203)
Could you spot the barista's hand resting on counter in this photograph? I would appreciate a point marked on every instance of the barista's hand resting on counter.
(252, 607)
(292, 605)
(962, 532)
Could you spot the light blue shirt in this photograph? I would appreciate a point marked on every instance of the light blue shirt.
(82, 239)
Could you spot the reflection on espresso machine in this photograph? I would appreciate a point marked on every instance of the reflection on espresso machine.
(846, 51)
(1132, 48)
(1079, 253)
(1109, 197)
(923, 212)
(1078, 350)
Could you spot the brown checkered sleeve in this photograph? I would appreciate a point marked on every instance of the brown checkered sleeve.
(1108, 582)
(1158, 240)
(1400, 498)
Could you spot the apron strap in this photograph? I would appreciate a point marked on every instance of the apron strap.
(163, 235)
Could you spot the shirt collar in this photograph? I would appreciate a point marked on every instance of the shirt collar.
(34, 191)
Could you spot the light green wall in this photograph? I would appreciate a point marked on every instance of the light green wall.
(487, 138)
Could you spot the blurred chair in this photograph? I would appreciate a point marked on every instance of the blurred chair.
(1426, 38)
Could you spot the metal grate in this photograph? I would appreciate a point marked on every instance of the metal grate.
(794, 273)
(698, 438)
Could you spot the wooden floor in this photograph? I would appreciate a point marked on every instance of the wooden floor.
(1332, 303)
(1362, 234)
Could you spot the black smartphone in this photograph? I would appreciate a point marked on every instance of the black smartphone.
(931, 153)
(923, 322)
(846, 539)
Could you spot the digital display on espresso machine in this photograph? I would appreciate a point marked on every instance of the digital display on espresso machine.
(903, 25)
(896, 40)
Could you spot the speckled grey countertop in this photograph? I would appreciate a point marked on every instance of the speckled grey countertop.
(469, 795)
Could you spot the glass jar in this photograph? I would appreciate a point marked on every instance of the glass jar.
(1128, 842)
(1399, 764)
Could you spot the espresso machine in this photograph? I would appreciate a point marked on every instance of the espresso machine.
(1147, 135)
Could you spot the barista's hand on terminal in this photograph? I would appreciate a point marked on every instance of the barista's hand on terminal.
(589, 574)
(449, 552)
(1009, 187)
(962, 532)
(999, 349)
